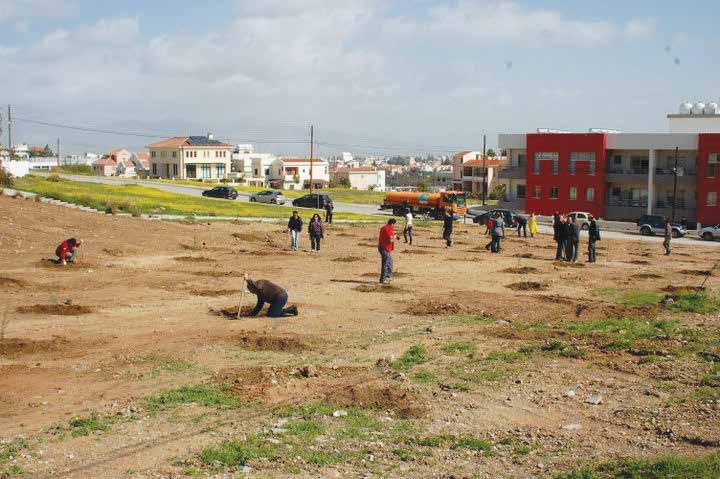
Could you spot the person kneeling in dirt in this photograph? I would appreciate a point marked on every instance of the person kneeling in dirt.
(66, 251)
(269, 292)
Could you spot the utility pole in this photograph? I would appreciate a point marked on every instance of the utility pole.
(675, 171)
(312, 153)
(10, 145)
(484, 189)
(58, 152)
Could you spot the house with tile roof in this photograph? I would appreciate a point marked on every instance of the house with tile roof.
(190, 157)
(114, 163)
(294, 173)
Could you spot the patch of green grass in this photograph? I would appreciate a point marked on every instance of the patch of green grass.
(238, 453)
(84, 426)
(695, 302)
(86, 170)
(506, 356)
(12, 471)
(564, 350)
(167, 364)
(322, 458)
(412, 357)
(305, 429)
(405, 455)
(668, 467)
(473, 444)
(460, 347)
(202, 394)
(478, 376)
(424, 377)
(12, 449)
(307, 411)
(432, 441)
(629, 297)
(473, 319)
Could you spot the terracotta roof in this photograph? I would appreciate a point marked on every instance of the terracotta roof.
(194, 141)
(142, 155)
(116, 151)
(174, 142)
(490, 163)
(460, 154)
(105, 161)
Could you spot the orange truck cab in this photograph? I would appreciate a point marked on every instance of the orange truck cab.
(431, 204)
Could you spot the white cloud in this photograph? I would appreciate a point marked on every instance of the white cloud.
(640, 28)
(22, 11)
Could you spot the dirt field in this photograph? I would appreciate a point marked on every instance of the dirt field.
(469, 364)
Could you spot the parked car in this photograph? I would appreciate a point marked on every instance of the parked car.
(474, 211)
(273, 197)
(507, 216)
(582, 218)
(227, 192)
(710, 233)
(312, 200)
(655, 225)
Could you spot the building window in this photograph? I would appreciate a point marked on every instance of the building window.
(617, 160)
(205, 171)
(163, 154)
(154, 168)
(536, 192)
(712, 198)
(520, 191)
(712, 165)
(174, 154)
(544, 155)
(553, 192)
(521, 160)
(152, 154)
(589, 194)
(588, 156)
(220, 171)
(256, 172)
(267, 171)
(572, 193)
(175, 169)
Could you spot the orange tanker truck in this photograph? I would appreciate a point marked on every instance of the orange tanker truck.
(431, 204)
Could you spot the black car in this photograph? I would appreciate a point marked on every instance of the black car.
(227, 192)
(507, 216)
(312, 200)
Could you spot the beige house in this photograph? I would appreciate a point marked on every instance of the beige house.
(190, 157)
(362, 178)
(114, 163)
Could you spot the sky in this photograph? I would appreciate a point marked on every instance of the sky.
(372, 76)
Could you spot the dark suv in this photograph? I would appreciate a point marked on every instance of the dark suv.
(508, 216)
(655, 225)
(312, 200)
(227, 192)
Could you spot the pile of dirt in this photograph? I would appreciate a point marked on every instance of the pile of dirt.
(434, 307)
(194, 259)
(527, 286)
(523, 255)
(250, 236)
(348, 259)
(215, 274)
(18, 346)
(568, 264)
(55, 309)
(682, 289)
(377, 395)
(416, 251)
(116, 253)
(213, 293)
(263, 342)
(231, 312)
(639, 261)
(6, 282)
(378, 288)
(602, 311)
(646, 276)
(520, 270)
(696, 272)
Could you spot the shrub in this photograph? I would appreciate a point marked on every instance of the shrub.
(53, 178)
(6, 179)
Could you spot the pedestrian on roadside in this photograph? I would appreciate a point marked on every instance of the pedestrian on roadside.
(521, 223)
(498, 232)
(668, 237)
(448, 219)
(317, 232)
(294, 228)
(574, 240)
(329, 212)
(559, 236)
(408, 230)
(532, 225)
(386, 244)
(593, 236)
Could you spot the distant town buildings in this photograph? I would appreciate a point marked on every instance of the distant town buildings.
(190, 157)
(360, 178)
(470, 171)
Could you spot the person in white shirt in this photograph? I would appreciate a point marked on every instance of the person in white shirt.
(407, 232)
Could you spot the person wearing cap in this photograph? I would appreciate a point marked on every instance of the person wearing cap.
(386, 245)
(66, 251)
(269, 292)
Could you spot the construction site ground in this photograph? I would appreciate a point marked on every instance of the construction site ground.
(130, 363)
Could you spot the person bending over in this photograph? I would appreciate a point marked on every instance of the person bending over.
(66, 251)
(269, 292)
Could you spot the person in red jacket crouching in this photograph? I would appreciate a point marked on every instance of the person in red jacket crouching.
(66, 251)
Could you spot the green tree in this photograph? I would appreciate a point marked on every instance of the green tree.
(47, 151)
(491, 153)
(497, 191)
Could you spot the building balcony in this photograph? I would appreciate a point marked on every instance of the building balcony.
(512, 172)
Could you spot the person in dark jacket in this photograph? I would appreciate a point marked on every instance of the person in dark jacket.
(521, 223)
(668, 237)
(559, 237)
(316, 231)
(66, 251)
(295, 227)
(448, 219)
(574, 242)
(329, 212)
(593, 236)
(498, 232)
(269, 292)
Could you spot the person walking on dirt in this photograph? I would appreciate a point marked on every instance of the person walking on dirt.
(532, 225)
(66, 251)
(521, 223)
(295, 227)
(668, 237)
(317, 232)
(448, 219)
(408, 230)
(574, 243)
(386, 245)
(593, 237)
(498, 232)
(329, 212)
(269, 292)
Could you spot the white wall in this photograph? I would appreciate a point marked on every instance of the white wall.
(694, 124)
(17, 168)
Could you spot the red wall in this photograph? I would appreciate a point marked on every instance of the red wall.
(563, 144)
(708, 144)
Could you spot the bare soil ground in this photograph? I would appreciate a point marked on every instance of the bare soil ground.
(130, 363)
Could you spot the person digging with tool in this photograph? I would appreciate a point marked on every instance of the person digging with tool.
(66, 251)
(269, 292)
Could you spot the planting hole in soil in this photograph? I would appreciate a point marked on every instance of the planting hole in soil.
(55, 309)
(528, 286)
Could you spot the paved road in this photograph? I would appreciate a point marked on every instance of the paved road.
(373, 209)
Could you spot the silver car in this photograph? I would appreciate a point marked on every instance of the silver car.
(273, 197)
(710, 233)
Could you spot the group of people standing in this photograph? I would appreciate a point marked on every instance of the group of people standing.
(566, 233)
(316, 231)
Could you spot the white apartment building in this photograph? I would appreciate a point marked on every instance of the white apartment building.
(362, 178)
(22, 150)
(190, 157)
(294, 173)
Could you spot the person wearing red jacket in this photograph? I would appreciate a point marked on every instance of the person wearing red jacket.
(66, 251)
(386, 244)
